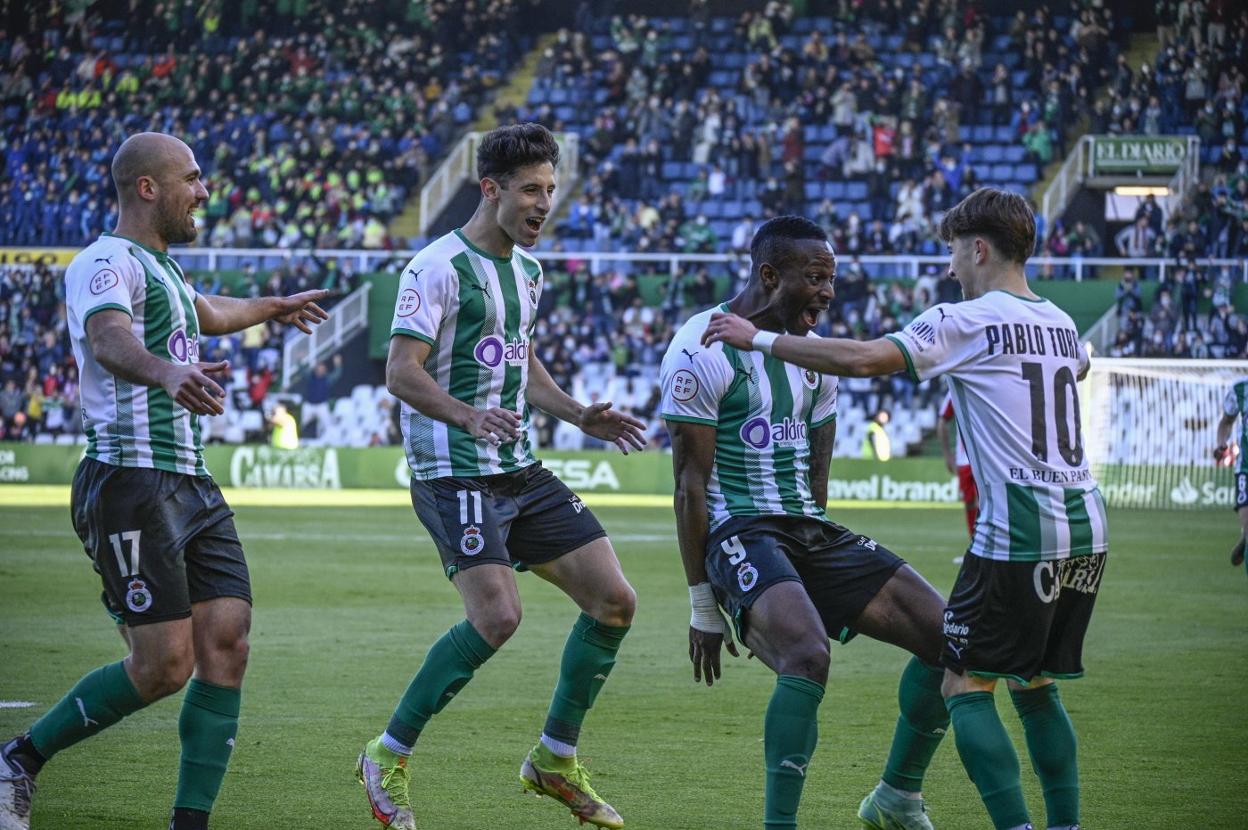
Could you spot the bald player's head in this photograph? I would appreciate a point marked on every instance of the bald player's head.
(158, 185)
(151, 155)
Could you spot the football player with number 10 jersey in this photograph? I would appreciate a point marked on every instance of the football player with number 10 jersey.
(1024, 596)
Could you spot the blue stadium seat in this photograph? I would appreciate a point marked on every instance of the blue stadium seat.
(1014, 153)
(812, 190)
(994, 153)
(671, 170)
(1001, 173)
(856, 190)
(834, 190)
(1025, 172)
(983, 135)
(1005, 135)
(812, 152)
(964, 133)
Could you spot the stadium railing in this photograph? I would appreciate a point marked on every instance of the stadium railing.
(302, 352)
(901, 266)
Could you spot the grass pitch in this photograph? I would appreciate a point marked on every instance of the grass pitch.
(349, 598)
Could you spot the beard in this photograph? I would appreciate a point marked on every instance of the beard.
(175, 226)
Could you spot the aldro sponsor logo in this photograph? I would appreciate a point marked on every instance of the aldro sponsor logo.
(761, 433)
(493, 350)
(183, 349)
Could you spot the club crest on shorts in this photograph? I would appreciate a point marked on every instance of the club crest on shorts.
(138, 598)
(472, 541)
(810, 378)
(747, 576)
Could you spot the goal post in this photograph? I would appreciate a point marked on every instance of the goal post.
(1149, 427)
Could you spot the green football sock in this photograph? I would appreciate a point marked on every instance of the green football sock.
(97, 701)
(448, 667)
(588, 657)
(207, 727)
(920, 727)
(1052, 746)
(790, 733)
(989, 757)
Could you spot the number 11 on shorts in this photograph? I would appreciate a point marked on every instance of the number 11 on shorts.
(463, 506)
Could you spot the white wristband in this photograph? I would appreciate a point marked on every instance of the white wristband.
(763, 341)
(705, 616)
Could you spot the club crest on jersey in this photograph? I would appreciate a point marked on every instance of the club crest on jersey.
(760, 433)
(809, 378)
(492, 350)
(103, 280)
(183, 349)
(138, 598)
(532, 292)
(409, 303)
(472, 541)
(747, 576)
(684, 386)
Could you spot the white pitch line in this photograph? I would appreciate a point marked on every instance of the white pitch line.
(15, 704)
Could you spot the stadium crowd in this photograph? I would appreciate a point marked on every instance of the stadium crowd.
(312, 122)
(898, 133)
(314, 129)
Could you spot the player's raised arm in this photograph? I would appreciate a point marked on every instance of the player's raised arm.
(598, 420)
(693, 455)
(226, 315)
(407, 380)
(829, 356)
(117, 349)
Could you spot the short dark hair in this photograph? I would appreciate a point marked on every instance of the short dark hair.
(505, 150)
(772, 242)
(1003, 218)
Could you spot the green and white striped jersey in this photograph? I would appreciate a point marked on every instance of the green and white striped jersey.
(129, 425)
(763, 410)
(1236, 404)
(1012, 365)
(478, 313)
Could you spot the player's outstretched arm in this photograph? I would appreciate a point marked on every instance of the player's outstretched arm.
(117, 349)
(829, 356)
(598, 420)
(226, 315)
(408, 381)
(693, 454)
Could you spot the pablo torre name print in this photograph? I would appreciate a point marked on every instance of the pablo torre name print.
(1013, 364)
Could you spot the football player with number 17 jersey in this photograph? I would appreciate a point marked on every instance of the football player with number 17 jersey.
(1024, 596)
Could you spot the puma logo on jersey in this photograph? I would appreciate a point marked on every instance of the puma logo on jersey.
(107, 259)
(943, 315)
(801, 768)
(415, 274)
(689, 354)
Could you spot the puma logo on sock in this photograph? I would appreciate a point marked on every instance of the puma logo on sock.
(801, 768)
(86, 720)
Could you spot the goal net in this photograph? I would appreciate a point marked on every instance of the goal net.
(1150, 427)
